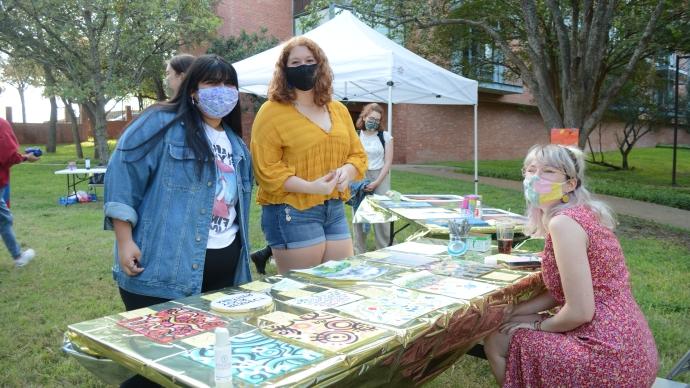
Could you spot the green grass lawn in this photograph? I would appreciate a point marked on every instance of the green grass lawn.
(70, 280)
(649, 178)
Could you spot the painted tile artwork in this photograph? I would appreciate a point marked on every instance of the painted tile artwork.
(394, 306)
(436, 284)
(324, 300)
(257, 358)
(172, 324)
(241, 301)
(345, 270)
(457, 269)
(320, 330)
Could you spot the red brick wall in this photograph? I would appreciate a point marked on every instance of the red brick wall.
(37, 133)
(275, 15)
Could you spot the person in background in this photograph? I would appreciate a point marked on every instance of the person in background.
(598, 337)
(9, 156)
(306, 152)
(175, 71)
(378, 145)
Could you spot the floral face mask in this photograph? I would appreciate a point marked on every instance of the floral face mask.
(217, 101)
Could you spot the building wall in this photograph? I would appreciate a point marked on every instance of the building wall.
(431, 133)
(238, 15)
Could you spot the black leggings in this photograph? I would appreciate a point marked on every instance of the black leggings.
(219, 272)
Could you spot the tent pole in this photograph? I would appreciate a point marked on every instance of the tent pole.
(476, 152)
(390, 107)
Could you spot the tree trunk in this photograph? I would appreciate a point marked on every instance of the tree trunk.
(140, 99)
(21, 99)
(160, 90)
(52, 127)
(98, 115)
(75, 128)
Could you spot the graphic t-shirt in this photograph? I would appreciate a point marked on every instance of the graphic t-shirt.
(374, 149)
(224, 224)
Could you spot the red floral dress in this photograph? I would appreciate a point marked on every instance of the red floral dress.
(615, 349)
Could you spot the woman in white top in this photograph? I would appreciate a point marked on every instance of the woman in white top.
(378, 145)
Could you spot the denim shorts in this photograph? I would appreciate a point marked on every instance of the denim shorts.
(287, 228)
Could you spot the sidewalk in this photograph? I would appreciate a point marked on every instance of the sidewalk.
(630, 207)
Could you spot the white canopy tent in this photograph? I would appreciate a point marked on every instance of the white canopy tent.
(368, 67)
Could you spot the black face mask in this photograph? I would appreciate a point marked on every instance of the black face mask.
(301, 77)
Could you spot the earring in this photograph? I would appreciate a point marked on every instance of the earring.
(565, 198)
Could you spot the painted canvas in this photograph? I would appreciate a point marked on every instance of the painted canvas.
(172, 324)
(394, 306)
(436, 284)
(323, 331)
(345, 270)
(324, 300)
(257, 358)
(458, 269)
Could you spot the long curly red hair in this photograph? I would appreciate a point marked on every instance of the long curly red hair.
(280, 91)
(368, 108)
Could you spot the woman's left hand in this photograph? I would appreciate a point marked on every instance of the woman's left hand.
(371, 186)
(344, 175)
(510, 327)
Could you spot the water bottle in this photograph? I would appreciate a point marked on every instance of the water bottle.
(223, 358)
(87, 163)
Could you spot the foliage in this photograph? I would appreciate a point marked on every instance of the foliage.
(98, 49)
(70, 280)
(244, 45)
(648, 180)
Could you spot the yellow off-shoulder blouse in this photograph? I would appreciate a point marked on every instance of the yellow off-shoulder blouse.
(286, 143)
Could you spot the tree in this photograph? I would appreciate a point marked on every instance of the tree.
(98, 48)
(20, 73)
(574, 57)
(244, 45)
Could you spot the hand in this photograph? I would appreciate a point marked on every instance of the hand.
(31, 157)
(509, 328)
(371, 186)
(129, 255)
(344, 175)
(324, 185)
(508, 312)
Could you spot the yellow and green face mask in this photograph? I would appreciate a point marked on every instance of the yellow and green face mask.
(540, 191)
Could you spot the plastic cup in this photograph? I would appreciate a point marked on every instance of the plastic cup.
(505, 232)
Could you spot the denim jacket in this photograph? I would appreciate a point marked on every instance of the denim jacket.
(153, 182)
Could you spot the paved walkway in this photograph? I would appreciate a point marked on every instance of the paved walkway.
(644, 210)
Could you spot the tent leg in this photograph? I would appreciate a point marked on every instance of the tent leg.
(476, 154)
(390, 107)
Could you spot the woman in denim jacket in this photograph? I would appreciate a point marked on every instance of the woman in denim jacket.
(177, 192)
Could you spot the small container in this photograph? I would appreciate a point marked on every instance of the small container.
(72, 166)
(223, 358)
(87, 164)
(456, 245)
(504, 236)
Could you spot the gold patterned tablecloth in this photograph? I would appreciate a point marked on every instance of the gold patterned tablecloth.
(398, 350)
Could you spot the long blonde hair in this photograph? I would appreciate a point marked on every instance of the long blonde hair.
(571, 160)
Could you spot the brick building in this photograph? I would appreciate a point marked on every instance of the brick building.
(508, 120)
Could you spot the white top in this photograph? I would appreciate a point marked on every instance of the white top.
(374, 149)
(95, 170)
(224, 224)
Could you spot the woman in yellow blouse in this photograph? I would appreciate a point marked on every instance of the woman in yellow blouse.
(305, 152)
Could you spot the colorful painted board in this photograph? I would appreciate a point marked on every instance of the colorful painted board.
(257, 358)
(427, 213)
(345, 270)
(504, 276)
(421, 248)
(394, 306)
(324, 300)
(402, 204)
(172, 324)
(436, 284)
(241, 302)
(406, 259)
(319, 330)
(459, 269)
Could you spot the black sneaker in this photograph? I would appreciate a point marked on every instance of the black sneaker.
(260, 258)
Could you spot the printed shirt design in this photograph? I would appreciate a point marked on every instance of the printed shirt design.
(223, 216)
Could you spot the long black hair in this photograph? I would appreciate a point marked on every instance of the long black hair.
(211, 69)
